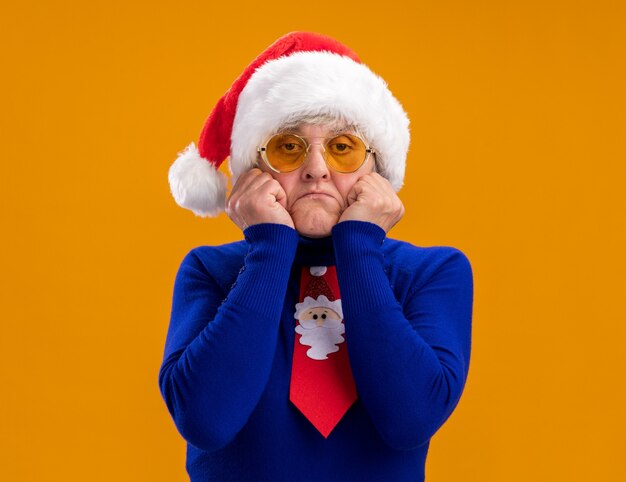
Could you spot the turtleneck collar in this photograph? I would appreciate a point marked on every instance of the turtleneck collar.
(315, 251)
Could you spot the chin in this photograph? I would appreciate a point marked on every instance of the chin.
(314, 224)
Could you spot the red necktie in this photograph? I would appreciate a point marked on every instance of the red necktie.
(322, 386)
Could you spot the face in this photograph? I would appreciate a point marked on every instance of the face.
(319, 317)
(317, 195)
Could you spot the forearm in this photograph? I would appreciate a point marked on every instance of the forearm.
(212, 381)
(409, 362)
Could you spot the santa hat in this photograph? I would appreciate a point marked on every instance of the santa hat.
(318, 295)
(300, 75)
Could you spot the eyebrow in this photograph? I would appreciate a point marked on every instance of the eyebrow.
(332, 133)
(345, 128)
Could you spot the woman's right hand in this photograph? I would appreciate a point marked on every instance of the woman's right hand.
(257, 198)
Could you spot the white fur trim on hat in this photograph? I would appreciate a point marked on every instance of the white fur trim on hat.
(317, 83)
(196, 184)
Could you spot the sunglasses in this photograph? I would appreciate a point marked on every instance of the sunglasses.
(343, 153)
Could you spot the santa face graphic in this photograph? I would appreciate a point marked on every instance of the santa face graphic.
(320, 326)
(320, 316)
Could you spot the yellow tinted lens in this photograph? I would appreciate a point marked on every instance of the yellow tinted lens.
(285, 152)
(345, 153)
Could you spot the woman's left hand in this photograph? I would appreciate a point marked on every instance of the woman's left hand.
(372, 199)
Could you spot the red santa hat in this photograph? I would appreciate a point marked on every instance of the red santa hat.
(300, 75)
(318, 294)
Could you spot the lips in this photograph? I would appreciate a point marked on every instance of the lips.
(314, 195)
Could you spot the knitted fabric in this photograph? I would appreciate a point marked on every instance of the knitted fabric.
(227, 361)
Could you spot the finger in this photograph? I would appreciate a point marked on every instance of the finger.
(245, 179)
(258, 181)
(238, 189)
(273, 189)
(355, 192)
(247, 182)
(257, 190)
(279, 193)
(377, 193)
(377, 181)
(384, 183)
(380, 188)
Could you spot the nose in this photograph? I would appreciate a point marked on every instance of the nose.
(315, 167)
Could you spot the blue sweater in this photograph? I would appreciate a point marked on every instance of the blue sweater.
(227, 362)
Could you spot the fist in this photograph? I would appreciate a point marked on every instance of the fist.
(257, 198)
(372, 199)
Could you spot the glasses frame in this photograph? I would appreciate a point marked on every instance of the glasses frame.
(263, 151)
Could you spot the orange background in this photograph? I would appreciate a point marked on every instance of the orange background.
(517, 158)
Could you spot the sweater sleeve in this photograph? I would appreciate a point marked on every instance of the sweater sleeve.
(219, 353)
(410, 360)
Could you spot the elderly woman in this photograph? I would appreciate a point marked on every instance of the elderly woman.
(317, 348)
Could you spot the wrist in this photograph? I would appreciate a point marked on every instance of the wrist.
(272, 248)
(361, 265)
(358, 234)
(276, 236)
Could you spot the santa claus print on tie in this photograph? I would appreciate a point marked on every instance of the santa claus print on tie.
(322, 386)
(320, 318)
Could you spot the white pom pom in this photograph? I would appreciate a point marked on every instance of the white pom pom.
(318, 270)
(196, 184)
